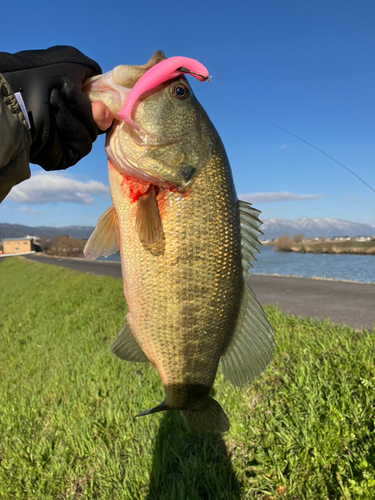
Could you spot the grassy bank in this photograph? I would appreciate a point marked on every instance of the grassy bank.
(304, 430)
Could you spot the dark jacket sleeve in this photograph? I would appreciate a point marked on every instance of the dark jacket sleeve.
(15, 141)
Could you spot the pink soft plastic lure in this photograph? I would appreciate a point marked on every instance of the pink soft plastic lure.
(160, 73)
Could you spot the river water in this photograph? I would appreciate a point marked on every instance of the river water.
(307, 265)
(359, 268)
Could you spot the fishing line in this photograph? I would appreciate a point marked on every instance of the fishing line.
(293, 135)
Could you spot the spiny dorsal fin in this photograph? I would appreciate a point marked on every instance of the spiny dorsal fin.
(251, 348)
(104, 239)
(250, 231)
(147, 221)
(125, 346)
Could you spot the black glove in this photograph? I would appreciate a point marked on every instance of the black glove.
(50, 81)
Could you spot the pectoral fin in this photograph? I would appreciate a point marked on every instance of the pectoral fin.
(125, 346)
(147, 221)
(104, 239)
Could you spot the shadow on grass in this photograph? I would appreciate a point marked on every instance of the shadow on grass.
(190, 466)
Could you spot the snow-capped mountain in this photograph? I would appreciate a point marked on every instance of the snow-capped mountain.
(272, 228)
(312, 228)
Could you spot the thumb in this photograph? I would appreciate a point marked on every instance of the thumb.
(102, 115)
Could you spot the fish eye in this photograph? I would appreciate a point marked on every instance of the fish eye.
(180, 91)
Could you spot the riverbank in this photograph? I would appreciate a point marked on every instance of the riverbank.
(331, 247)
(67, 406)
(339, 301)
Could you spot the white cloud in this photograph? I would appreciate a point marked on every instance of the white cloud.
(284, 146)
(277, 197)
(5, 207)
(356, 199)
(26, 210)
(52, 187)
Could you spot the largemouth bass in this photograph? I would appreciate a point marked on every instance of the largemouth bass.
(185, 241)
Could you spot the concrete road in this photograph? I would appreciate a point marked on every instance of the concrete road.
(99, 268)
(341, 302)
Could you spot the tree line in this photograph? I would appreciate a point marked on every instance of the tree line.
(63, 246)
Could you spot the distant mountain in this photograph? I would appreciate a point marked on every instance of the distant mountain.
(272, 228)
(313, 228)
(18, 231)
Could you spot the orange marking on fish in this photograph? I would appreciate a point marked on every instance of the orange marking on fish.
(136, 187)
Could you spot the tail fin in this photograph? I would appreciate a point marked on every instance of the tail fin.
(208, 418)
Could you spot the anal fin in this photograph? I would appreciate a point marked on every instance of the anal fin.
(147, 221)
(125, 346)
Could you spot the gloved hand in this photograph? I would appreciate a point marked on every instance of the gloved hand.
(50, 81)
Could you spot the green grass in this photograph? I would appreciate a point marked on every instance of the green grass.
(304, 430)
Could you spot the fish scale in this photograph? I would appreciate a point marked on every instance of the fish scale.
(186, 244)
(178, 295)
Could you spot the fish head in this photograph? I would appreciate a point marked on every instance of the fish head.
(172, 143)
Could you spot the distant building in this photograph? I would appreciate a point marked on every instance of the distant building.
(341, 238)
(20, 245)
(361, 238)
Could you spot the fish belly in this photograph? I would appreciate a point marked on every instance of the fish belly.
(183, 291)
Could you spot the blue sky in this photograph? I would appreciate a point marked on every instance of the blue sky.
(306, 66)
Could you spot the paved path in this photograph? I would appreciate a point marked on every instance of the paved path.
(341, 302)
(100, 268)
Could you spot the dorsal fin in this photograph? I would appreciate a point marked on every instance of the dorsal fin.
(250, 231)
(251, 348)
(104, 239)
